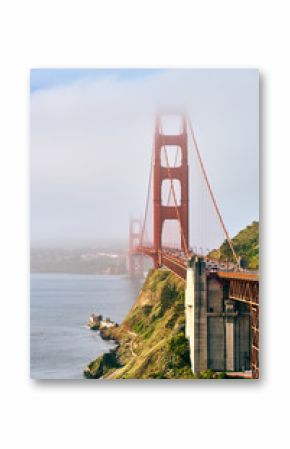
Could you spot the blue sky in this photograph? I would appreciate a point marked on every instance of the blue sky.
(50, 78)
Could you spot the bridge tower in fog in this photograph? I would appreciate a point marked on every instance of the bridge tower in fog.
(162, 172)
(135, 260)
(222, 307)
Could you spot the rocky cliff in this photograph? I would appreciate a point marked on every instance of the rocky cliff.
(151, 340)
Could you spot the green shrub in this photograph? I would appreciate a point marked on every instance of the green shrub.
(179, 351)
(138, 327)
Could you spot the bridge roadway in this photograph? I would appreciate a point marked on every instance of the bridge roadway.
(243, 286)
(176, 261)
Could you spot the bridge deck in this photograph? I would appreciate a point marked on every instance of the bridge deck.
(178, 264)
(240, 275)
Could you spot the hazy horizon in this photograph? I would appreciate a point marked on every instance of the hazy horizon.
(78, 243)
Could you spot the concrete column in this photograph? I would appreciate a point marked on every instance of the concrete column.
(200, 316)
(230, 335)
(195, 313)
(189, 313)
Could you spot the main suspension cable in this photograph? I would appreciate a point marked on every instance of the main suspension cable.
(211, 192)
(148, 195)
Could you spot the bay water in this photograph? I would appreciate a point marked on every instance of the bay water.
(61, 304)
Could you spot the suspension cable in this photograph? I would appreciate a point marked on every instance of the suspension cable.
(148, 195)
(211, 192)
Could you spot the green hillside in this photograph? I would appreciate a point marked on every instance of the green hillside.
(246, 245)
(151, 339)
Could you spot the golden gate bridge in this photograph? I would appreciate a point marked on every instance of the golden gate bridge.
(164, 236)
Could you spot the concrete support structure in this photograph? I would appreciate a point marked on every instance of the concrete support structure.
(200, 317)
(196, 322)
(218, 328)
(189, 314)
(230, 335)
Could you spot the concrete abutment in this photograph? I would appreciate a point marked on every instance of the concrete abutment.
(218, 328)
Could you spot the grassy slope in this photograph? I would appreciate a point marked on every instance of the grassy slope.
(152, 343)
(152, 340)
(246, 244)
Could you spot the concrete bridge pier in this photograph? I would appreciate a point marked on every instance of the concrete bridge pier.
(218, 328)
(189, 312)
(230, 334)
(195, 312)
(189, 301)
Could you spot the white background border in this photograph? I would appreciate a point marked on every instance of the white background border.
(126, 33)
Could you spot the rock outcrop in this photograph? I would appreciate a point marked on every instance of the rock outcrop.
(106, 327)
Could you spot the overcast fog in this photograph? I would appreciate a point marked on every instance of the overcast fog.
(91, 139)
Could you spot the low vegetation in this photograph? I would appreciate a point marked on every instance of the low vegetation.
(246, 245)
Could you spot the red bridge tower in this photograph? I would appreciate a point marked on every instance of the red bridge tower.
(162, 172)
(135, 260)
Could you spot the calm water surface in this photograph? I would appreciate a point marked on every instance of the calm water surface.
(61, 343)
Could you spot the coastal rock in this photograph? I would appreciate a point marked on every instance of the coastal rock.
(102, 365)
(95, 321)
(107, 333)
(106, 327)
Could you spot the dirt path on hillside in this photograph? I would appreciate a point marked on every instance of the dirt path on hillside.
(133, 334)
